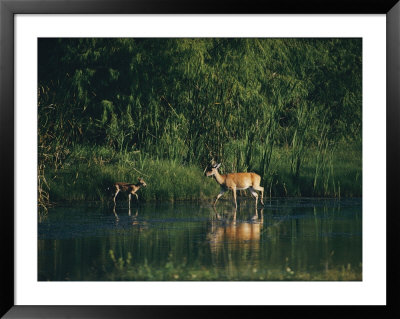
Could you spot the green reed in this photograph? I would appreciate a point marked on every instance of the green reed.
(125, 268)
(90, 170)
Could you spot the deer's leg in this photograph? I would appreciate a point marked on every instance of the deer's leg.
(254, 193)
(222, 192)
(129, 201)
(255, 217)
(261, 189)
(234, 196)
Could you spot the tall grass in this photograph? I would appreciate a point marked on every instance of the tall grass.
(88, 172)
(43, 192)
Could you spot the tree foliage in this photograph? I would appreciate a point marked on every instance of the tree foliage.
(190, 100)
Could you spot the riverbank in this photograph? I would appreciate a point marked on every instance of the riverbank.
(87, 172)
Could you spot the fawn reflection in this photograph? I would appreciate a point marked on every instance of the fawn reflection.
(134, 220)
(134, 217)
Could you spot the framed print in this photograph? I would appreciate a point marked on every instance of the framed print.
(169, 159)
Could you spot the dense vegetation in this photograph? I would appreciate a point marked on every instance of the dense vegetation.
(123, 270)
(288, 109)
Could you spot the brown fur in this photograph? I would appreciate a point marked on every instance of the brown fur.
(236, 181)
(127, 188)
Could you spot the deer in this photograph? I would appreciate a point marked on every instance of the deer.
(234, 182)
(127, 188)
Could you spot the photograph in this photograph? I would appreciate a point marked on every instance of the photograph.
(200, 159)
(168, 159)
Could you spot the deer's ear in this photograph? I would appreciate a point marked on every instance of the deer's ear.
(139, 179)
(218, 165)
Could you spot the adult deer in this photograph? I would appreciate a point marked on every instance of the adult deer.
(236, 181)
(127, 188)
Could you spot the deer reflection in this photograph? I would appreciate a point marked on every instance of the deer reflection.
(134, 217)
(229, 233)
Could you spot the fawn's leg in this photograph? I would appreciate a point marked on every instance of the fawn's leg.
(115, 196)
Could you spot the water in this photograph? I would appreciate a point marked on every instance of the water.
(191, 240)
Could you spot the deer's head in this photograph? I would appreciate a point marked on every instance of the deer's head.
(142, 183)
(212, 169)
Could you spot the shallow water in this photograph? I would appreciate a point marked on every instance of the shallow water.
(288, 235)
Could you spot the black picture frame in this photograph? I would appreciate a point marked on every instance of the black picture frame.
(9, 8)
